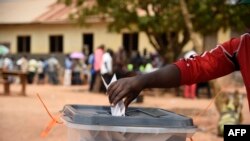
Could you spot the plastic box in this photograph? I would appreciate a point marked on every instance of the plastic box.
(95, 123)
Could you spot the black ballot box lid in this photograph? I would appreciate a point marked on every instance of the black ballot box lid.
(134, 117)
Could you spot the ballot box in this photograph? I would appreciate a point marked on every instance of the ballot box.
(95, 123)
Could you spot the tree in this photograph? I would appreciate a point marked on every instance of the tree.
(187, 19)
(163, 21)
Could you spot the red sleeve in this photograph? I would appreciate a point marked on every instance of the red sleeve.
(213, 64)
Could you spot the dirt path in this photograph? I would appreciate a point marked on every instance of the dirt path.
(23, 118)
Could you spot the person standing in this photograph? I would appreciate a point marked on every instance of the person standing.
(97, 66)
(32, 68)
(77, 67)
(120, 63)
(8, 65)
(67, 70)
(23, 63)
(41, 71)
(107, 67)
(91, 60)
(53, 70)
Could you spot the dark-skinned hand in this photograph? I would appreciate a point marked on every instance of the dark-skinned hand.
(126, 88)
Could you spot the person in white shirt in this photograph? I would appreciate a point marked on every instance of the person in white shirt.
(107, 66)
(8, 65)
(32, 68)
(22, 64)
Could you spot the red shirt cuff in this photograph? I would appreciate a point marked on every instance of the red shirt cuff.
(182, 66)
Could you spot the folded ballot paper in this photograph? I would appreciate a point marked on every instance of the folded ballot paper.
(119, 108)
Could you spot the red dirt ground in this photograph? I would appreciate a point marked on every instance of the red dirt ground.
(22, 118)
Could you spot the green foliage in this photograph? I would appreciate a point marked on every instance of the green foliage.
(211, 15)
(162, 20)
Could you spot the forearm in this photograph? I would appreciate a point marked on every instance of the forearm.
(130, 88)
(166, 77)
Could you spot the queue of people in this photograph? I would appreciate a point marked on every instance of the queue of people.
(79, 68)
(36, 70)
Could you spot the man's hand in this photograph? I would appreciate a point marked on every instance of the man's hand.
(128, 88)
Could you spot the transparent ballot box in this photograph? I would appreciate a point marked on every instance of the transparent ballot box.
(95, 123)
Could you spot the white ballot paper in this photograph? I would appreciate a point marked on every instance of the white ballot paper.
(119, 108)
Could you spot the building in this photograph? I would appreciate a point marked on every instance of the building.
(42, 27)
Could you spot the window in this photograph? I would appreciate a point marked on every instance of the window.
(23, 44)
(56, 44)
(88, 39)
(130, 41)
